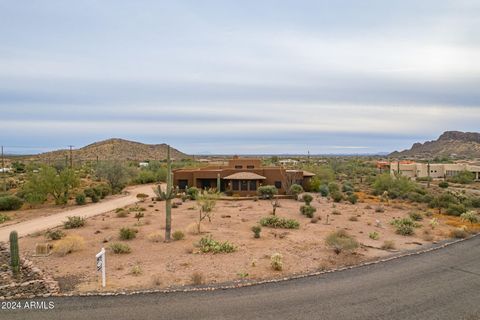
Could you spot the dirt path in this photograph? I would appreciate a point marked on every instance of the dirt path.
(43, 223)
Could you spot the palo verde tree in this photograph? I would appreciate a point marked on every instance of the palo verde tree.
(115, 173)
(206, 201)
(168, 195)
(49, 182)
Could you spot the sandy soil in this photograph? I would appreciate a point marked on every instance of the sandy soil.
(173, 264)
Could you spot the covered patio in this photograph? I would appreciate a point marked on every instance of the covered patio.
(243, 182)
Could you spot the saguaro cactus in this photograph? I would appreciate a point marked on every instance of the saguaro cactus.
(14, 252)
(168, 195)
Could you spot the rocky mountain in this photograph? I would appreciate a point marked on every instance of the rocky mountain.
(115, 149)
(450, 143)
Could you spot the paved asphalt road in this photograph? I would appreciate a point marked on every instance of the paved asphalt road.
(443, 284)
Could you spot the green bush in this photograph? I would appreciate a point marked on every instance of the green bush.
(267, 192)
(55, 234)
(324, 191)
(80, 199)
(3, 218)
(277, 222)
(333, 187)
(120, 248)
(405, 226)
(416, 216)
(295, 189)
(341, 241)
(307, 210)
(463, 177)
(74, 222)
(178, 235)
(337, 196)
(443, 184)
(374, 235)
(10, 203)
(352, 198)
(128, 233)
(307, 198)
(397, 187)
(456, 209)
(470, 216)
(347, 187)
(256, 231)
(193, 193)
(208, 244)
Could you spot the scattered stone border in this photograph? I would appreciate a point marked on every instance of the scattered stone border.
(240, 284)
(42, 284)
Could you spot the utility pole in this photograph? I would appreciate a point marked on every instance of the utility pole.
(4, 173)
(71, 157)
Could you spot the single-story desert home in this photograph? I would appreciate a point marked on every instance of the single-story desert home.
(437, 170)
(241, 176)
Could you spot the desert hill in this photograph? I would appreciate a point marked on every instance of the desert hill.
(450, 143)
(116, 149)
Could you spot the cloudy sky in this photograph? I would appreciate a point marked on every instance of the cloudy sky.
(260, 76)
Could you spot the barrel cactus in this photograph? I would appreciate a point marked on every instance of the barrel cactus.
(14, 252)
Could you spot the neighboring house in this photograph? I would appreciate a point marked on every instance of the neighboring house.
(288, 162)
(437, 170)
(240, 176)
(2, 170)
(143, 164)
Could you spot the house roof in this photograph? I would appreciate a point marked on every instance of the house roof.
(308, 174)
(244, 176)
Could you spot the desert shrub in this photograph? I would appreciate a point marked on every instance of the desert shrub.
(115, 173)
(353, 218)
(120, 248)
(267, 192)
(197, 278)
(443, 184)
(324, 191)
(307, 198)
(128, 233)
(374, 235)
(193, 192)
(308, 210)
(341, 241)
(463, 177)
(416, 216)
(456, 209)
(95, 198)
(208, 244)
(443, 201)
(333, 187)
(352, 198)
(3, 218)
(470, 216)
(379, 209)
(102, 190)
(397, 187)
(276, 261)
(139, 215)
(136, 270)
(121, 213)
(192, 228)
(10, 203)
(459, 233)
(55, 234)
(295, 189)
(89, 192)
(80, 199)
(256, 231)
(314, 220)
(68, 245)
(178, 235)
(347, 187)
(155, 237)
(337, 196)
(475, 202)
(336, 212)
(388, 245)
(74, 222)
(277, 222)
(142, 196)
(405, 226)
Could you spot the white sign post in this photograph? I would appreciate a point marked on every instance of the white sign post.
(101, 265)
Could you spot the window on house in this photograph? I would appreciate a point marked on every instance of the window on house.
(253, 185)
(244, 185)
(235, 185)
(278, 184)
(250, 167)
(238, 167)
(182, 184)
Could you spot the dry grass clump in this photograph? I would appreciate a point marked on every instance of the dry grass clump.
(197, 278)
(353, 218)
(459, 233)
(178, 235)
(155, 236)
(341, 241)
(68, 245)
(136, 270)
(276, 261)
(388, 245)
(192, 228)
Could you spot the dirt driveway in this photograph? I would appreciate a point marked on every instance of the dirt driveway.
(43, 223)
